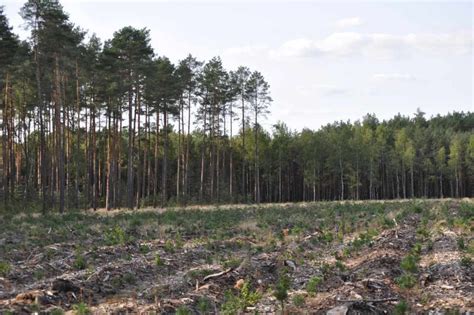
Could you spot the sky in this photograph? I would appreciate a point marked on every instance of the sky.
(325, 61)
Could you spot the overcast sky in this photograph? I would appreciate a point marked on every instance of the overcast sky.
(325, 61)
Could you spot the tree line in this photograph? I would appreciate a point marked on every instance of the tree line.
(86, 124)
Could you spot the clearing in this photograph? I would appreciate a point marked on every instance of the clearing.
(326, 257)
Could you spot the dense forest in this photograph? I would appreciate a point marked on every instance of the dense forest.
(89, 124)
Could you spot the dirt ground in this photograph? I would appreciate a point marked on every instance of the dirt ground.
(339, 258)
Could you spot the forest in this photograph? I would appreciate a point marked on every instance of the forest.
(114, 124)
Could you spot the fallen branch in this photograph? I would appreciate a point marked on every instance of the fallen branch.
(215, 275)
(370, 301)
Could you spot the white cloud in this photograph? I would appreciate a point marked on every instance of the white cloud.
(323, 89)
(393, 77)
(246, 50)
(349, 22)
(377, 45)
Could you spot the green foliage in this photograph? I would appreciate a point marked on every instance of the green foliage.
(326, 237)
(4, 268)
(81, 309)
(235, 303)
(169, 246)
(313, 284)
(409, 263)
(232, 304)
(248, 296)
(298, 300)
(115, 236)
(387, 222)
(461, 244)
(340, 265)
(204, 305)
(232, 262)
(57, 311)
(466, 261)
(406, 281)
(144, 249)
(79, 261)
(401, 308)
(158, 260)
(281, 289)
(183, 310)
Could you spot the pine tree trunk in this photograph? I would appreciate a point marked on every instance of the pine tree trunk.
(131, 131)
(165, 158)
(157, 136)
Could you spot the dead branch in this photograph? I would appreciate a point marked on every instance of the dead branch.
(215, 275)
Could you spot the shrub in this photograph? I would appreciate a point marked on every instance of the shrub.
(204, 305)
(340, 265)
(115, 236)
(466, 261)
(183, 310)
(4, 268)
(406, 281)
(409, 263)
(281, 289)
(235, 303)
(461, 244)
(57, 311)
(158, 260)
(298, 300)
(81, 309)
(313, 284)
(387, 222)
(79, 262)
(143, 249)
(231, 304)
(169, 246)
(401, 308)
